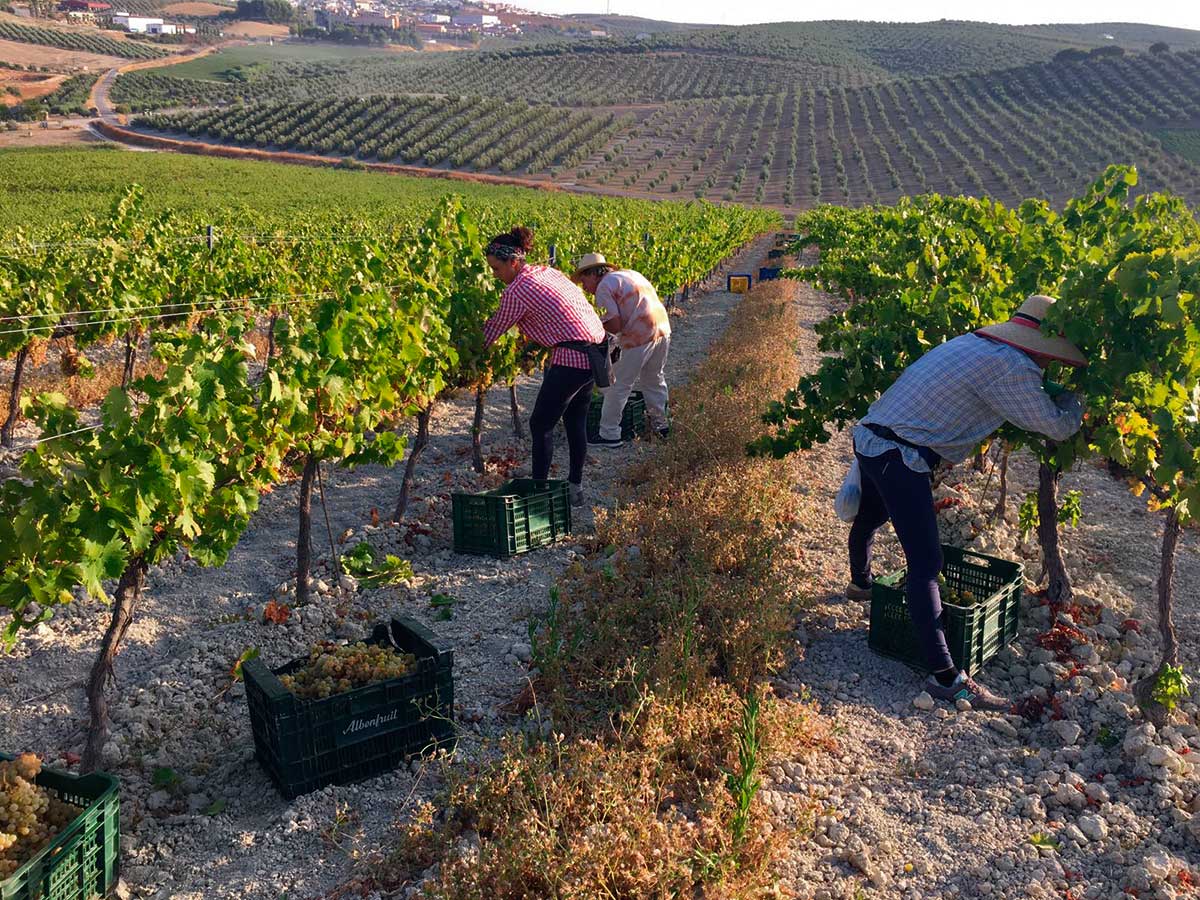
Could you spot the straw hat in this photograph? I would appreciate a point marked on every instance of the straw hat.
(1024, 331)
(589, 261)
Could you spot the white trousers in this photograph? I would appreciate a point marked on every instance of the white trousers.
(639, 368)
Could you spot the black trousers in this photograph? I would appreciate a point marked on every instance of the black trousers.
(565, 394)
(892, 491)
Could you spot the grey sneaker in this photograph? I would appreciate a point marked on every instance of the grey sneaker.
(575, 494)
(854, 592)
(967, 688)
(606, 443)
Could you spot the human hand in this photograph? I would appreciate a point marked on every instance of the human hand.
(1071, 403)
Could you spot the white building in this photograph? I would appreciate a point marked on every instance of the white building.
(435, 19)
(475, 20)
(137, 24)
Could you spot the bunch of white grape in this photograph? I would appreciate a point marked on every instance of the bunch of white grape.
(334, 669)
(30, 816)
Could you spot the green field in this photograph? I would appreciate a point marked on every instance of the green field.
(87, 180)
(1183, 141)
(211, 67)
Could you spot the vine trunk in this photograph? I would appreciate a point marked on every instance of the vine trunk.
(1144, 689)
(129, 592)
(14, 397)
(1059, 590)
(304, 538)
(410, 467)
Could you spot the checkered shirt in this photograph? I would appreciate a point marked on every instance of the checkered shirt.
(956, 395)
(547, 308)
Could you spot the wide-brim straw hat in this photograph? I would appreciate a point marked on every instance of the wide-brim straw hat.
(589, 261)
(1024, 331)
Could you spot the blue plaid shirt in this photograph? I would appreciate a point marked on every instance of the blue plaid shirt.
(956, 395)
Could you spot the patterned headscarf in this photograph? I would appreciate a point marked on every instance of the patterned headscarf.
(504, 252)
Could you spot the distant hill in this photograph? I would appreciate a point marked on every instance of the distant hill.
(886, 48)
(634, 25)
(1131, 36)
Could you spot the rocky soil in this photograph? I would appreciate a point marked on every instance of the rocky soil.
(1079, 797)
(199, 817)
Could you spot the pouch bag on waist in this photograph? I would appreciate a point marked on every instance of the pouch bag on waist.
(597, 357)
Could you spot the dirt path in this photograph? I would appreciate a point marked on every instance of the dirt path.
(194, 622)
(944, 803)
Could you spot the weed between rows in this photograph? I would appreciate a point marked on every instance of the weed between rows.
(652, 665)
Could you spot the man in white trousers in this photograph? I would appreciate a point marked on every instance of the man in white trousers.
(630, 309)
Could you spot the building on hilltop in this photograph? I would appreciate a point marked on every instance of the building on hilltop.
(85, 6)
(84, 10)
(357, 19)
(475, 20)
(136, 24)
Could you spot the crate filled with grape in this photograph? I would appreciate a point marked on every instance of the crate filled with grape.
(345, 712)
(981, 601)
(59, 833)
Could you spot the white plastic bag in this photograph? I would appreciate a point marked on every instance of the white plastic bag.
(849, 495)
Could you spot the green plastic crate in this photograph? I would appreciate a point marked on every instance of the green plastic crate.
(974, 633)
(306, 744)
(516, 517)
(84, 860)
(633, 418)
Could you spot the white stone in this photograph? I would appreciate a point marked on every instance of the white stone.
(923, 701)
(522, 652)
(1158, 756)
(1157, 866)
(962, 704)
(1041, 675)
(1073, 834)
(1094, 828)
(1003, 726)
(348, 583)
(1066, 731)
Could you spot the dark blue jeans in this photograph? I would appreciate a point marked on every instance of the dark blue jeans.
(892, 491)
(565, 394)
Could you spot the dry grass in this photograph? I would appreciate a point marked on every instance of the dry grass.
(194, 8)
(645, 662)
(29, 85)
(56, 58)
(29, 134)
(255, 30)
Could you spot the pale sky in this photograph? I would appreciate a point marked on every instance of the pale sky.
(1015, 12)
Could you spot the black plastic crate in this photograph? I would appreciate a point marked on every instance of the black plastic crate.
(974, 633)
(633, 418)
(84, 859)
(520, 515)
(307, 744)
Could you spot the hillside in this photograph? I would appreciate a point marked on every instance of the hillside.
(897, 48)
(1028, 130)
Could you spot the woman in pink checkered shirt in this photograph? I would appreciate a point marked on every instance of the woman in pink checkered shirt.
(548, 309)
